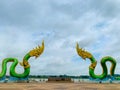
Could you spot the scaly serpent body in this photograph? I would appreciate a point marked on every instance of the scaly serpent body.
(35, 52)
(84, 54)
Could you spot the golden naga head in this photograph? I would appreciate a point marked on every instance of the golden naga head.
(37, 51)
(84, 54)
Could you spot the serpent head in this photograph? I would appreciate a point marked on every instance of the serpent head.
(84, 54)
(37, 51)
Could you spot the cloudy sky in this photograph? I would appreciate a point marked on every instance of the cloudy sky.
(94, 24)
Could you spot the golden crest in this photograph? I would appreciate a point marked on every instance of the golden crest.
(37, 51)
(84, 54)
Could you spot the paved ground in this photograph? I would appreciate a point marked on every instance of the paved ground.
(58, 86)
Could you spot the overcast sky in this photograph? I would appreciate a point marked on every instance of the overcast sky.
(94, 24)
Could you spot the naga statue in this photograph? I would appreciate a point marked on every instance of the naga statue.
(84, 54)
(35, 52)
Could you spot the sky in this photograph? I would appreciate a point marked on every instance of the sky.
(94, 24)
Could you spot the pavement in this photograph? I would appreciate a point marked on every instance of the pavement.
(58, 86)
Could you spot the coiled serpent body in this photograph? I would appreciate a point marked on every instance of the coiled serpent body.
(84, 54)
(35, 52)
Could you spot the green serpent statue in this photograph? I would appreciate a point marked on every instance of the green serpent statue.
(84, 54)
(35, 52)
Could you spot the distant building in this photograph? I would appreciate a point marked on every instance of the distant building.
(59, 79)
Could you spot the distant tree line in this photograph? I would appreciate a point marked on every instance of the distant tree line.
(62, 76)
